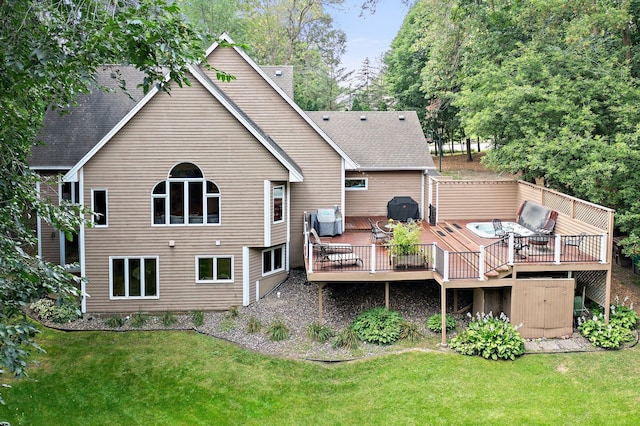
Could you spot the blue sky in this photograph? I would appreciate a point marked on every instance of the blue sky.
(368, 35)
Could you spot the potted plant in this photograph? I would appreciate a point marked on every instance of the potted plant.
(405, 245)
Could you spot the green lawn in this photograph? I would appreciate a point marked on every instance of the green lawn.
(155, 378)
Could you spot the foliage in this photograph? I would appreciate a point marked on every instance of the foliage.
(489, 337)
(318, 332)
(227, 324)
(168, 318)
(378, 325)
(139, 320)
(61, 312)
(410, 331)
(233, 312)
(197, 318)
(346, 339)
(115, 321)
(434, 323)
(277, 331)
(253, 325)
(622, 321)
(407, 238)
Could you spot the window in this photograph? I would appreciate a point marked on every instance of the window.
(185, 198)
(357, 184)
(273, 260)
(134, 277)
(99, 207)
(214, 269)
(278, 203)
(70, 191)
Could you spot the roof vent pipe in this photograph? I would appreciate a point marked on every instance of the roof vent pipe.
(363, 117)
(325, 117)
(278, 73)
(401, 117)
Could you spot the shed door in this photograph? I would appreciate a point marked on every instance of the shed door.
(543, 307)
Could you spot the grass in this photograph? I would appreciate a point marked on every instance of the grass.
(184, 378)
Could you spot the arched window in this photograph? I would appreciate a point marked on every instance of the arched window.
(185, 198)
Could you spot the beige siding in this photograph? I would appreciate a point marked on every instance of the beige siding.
(382, 187)
(188, 126)
(470, 200)
(321, 164)
(49, 237)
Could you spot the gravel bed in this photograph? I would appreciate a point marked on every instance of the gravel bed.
(295, 302)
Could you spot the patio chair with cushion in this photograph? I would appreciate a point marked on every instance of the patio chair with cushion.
(543, 235)
(329, 248)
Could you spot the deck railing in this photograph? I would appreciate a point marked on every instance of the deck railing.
(453, 265)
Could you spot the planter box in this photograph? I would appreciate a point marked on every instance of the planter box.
(406, 261)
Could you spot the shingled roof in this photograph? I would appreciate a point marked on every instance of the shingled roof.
(378, 140)
(68, 138)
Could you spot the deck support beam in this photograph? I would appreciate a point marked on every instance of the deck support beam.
(320, 287)
(443, 314)
(386, 294)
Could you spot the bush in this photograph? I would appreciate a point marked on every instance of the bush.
(622, 321)
(378, 325)
(346, 339)
(409, 331)
(233, 312)
(253, 325)
(489, 337)
(197, 318)
(168, 319)
(278, 331)
(115, 321)
(138, 320)
(434, 323)
(58, 312)
(318, 332)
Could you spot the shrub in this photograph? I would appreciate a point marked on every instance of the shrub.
(622, 321)
(197, 318)
(138, 320)
(378, 325)
(434, 323)
(489, 337)
(409, 331)
(318, 332)
(227, 324)
(346, 339)
(278, 331)
(168, 319)
(253, 325)
(233, 312)
(115, 321)
(58, 312)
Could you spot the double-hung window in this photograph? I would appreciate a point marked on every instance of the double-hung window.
(273, 260)
(214, 269)
(134, 277)
(185, 198)
(278, 204)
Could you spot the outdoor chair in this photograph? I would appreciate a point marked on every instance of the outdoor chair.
(519, 244)
(329, 248)
(575, 242)
(543, 235)
(498, 230)
(579, 308)
(378, 234)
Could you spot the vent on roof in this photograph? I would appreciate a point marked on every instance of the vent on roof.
(278, 73)
(325, 117)
(363, 118)
(401, 117)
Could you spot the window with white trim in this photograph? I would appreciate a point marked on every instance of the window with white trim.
(278, 204)
(99, 206)
(273, 260)
(356, 184)
(214, 269)
(134, 277)
(185, 198)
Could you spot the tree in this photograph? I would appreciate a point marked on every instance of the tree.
(51, 50)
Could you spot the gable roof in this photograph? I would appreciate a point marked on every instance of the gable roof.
(67, 138)
(350, 164)
(295, 172)
(282, 75)
(378, 140)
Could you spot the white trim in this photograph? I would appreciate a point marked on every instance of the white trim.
(126, 274)
(93, 207)
(272, 251)
(273, 198)
(350, 162)
(245, 276)
(39, 225)
(267, 212)
(213, 257)
(287, 254)
(81, 251)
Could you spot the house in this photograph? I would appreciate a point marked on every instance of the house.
(202, 201)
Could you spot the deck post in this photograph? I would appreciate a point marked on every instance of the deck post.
(320, 287)
(386, 294)
(443, 314)
(445, 263)
(603, 249)
(556, 250)
(310, 254)
(481, 266)
(373, 258)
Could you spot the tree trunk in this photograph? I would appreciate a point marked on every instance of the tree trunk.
(478, 144)
(469, 156)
